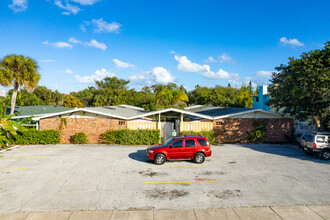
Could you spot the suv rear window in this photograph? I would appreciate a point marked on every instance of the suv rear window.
(190, 143)
(320, 139)
(202, 142)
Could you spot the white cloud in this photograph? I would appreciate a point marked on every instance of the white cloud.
(69, 71)
(96, 44)
(19, 5)
(186, 65)
(92, 43)
(265, 74)
(103, 26)
(157, 75)
(293, 42)
(221, 74)
(211, 60)
(86, 2)
(121, 64)
(223, 58)
(69, 9)
(82, 28)
(58, 44)
(98, 75)
(162, 75)
(62, 45)
(172, 52)
(75, 41)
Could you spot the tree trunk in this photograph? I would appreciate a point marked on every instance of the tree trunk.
(13, 100)
(321, 120)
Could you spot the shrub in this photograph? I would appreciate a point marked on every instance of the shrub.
(79, 138)
(33, 136)
(131, 137)
(258, 133)
(210, 135)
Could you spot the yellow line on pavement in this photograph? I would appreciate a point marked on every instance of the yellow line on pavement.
(193, 181)
(26, 157)
(40, 148)
(170, 166)
(16, 168)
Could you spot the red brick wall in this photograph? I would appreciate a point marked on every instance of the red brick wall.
(233, 130)
(92, 127)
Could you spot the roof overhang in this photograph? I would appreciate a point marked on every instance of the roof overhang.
(173, 110)
(77, 110)
(38, 117)
(248, 112)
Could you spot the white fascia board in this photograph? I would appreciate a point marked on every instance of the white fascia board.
(174, 110)
(77, 110)
(26, 116)
(247, 112)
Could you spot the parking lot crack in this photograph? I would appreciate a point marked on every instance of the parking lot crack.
(60, 189)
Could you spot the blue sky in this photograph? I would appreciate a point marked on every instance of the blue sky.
(209, 42)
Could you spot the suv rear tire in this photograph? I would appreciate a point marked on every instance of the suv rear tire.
(199, 157)
(325, 155)
(160, 159)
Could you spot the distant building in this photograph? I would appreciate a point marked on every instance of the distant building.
(260, 100)
(3, 93)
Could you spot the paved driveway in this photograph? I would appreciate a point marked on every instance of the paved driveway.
(101, 177)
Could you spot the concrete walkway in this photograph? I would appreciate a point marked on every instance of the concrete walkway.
(273, 212)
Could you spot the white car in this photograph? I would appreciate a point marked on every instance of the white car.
(317, 142)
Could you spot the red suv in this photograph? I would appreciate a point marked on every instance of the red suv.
(186, 147)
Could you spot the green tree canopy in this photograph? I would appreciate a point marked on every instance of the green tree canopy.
(301, 87)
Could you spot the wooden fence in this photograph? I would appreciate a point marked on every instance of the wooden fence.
(142, 125)
(196, 126)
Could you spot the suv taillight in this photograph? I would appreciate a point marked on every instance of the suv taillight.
(314, 145)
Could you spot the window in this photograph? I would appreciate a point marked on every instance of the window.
(218, 123)
(177, 144)
(168, 142)
(190, 143)
(121, 122)
(257, 99)
(320, 139)
(202, 142)
(309, 138)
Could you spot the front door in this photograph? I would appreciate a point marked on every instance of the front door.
(175, 151)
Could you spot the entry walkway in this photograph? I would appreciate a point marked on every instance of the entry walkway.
(242, 213)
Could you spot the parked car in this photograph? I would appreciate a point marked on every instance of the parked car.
(317, 142)
(181, 148)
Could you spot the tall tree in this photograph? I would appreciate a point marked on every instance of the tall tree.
(18, 71)
(301, 87)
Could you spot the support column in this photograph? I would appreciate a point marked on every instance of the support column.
(160, 128)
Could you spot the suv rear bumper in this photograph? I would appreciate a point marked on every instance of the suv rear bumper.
(313, 150)
(208, 153)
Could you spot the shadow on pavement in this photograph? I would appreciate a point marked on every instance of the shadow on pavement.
(284, 150)
(140, 155)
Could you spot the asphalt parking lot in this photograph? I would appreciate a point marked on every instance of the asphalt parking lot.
(101, 177)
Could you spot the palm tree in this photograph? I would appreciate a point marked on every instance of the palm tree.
(18, 71)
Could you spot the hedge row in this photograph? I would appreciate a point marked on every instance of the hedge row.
(131, 137)
(210, 135)
(33, 136)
